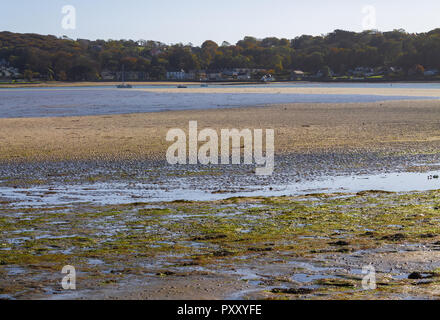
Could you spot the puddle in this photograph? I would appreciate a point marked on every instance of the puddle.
(13, 271)
(313, 268)
(95, 262)
(306, 278)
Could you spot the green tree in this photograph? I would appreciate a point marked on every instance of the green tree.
(28, 75)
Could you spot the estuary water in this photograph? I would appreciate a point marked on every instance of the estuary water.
(86, 101)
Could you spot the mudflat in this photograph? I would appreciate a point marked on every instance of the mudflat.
(401, 126)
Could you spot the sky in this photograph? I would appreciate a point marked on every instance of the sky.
(194, 21)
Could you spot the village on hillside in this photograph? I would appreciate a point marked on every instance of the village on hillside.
(9, 73)
(338, 56)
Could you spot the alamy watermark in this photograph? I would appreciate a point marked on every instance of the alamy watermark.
(369, 280)
(69, 281)
(369, 21)
(69, 17)
(186, 150)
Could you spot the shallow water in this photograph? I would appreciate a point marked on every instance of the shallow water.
(111, 193)
(22, 103)
(381, 85)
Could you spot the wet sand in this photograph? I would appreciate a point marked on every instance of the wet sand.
(401, 126)
(392, 126)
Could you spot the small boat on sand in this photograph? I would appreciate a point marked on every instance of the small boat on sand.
(124, 85)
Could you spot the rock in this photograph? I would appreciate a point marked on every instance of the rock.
(260, 249)
(293, 290)
(369, 192)
(415, 276)
(165, 273)
(223, 253)
(394, 237)
(427, 236)
(336, 283)
(340, 243)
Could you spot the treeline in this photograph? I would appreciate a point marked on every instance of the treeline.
(54, 58)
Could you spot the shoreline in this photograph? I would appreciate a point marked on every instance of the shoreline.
(45, 84)
(395, 92)
(57, 84)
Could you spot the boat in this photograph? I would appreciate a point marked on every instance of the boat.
(181, 86)
(204, 85)
(124, 85)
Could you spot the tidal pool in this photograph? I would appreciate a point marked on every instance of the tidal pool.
(117, 192)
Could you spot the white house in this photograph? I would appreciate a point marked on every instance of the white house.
(362, 72)
(268, 78)
(9, 72)
(431, 72)
(297, 75)
(180, 75)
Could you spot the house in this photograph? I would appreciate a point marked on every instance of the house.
(214, 76)
(362, 72)
(132, 76)
(191, 75)
(181, 75)
(230, 74)
(176, 75)
(268, 78)
(297, 75)
(247, 70)
(7, 72)
(108, 75)
(243, 76)
(393, 71)
(202, 75)
(430, 72)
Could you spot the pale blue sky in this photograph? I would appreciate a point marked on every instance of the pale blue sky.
(197, 20)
